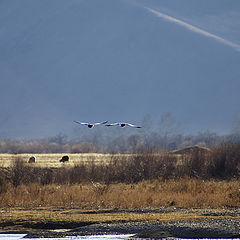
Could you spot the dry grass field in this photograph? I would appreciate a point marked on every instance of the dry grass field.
(51, 193)
(36, 207)
(182, 193)
(146, 179)
(51, 160)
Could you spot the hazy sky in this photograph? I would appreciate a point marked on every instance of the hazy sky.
(118, 61)
(196, 29)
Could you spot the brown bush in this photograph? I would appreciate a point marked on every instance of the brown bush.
(221, 163)
(225, 161)
(3, 184)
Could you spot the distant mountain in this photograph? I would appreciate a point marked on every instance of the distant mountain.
(117, 60)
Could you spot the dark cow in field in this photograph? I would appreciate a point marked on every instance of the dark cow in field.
(64, 159)
(32, 159)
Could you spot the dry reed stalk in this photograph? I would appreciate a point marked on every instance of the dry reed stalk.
(184, 193)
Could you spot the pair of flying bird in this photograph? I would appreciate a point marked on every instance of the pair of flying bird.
(122, 124)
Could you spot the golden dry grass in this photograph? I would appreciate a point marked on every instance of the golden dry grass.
(32, 205)
(51, 160)
(182, 193)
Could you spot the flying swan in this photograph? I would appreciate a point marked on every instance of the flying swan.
(91, 125)
(122, 125)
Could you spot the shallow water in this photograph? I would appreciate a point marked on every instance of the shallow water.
(92, 237)
(11, 236)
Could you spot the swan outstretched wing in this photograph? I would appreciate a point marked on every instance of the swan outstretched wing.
(82, 123)
(91, 124)
(132, 125)
(100, 123)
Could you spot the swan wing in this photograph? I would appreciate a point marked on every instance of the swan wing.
(100, 123)
(132, 125)
(81, 123)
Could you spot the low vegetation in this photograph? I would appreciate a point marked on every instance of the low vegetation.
(184, 193)
(78, 193)
(148, 178)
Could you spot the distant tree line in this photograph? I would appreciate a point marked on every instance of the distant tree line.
(127, 142)
(165, 135)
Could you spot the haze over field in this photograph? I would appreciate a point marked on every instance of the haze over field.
(92, 60)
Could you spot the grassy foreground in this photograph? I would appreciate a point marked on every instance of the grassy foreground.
(33, 206)
(72, 194)
(183, 193)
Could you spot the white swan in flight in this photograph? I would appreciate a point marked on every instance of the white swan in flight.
(123, 124)
(91, 125)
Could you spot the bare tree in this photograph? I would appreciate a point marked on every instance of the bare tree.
(168, 127)
(147, 122)
(236, 123)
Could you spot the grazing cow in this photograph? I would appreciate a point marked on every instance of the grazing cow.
(32, 159)
(64, 159)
